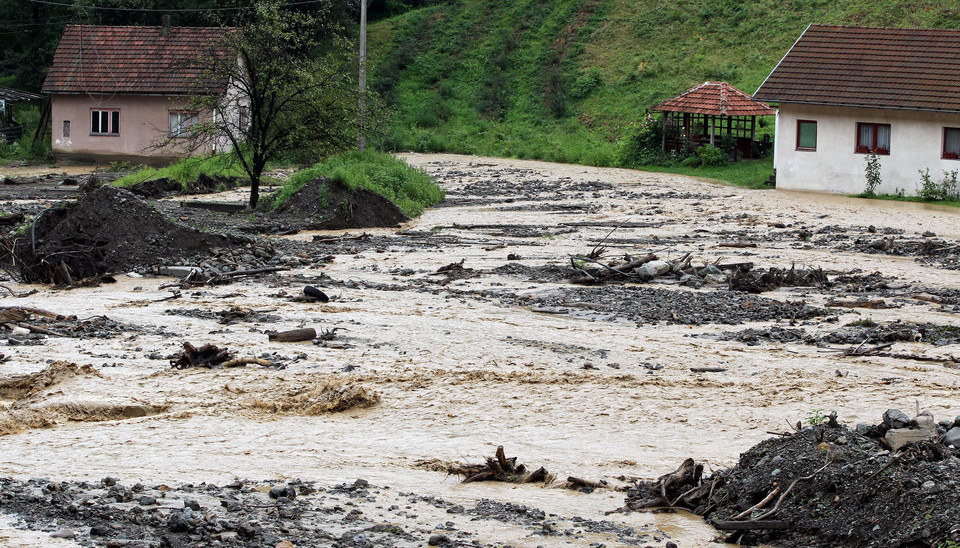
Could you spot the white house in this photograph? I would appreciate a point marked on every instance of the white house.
(844, 92)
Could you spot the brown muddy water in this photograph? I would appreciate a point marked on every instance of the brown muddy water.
(587, 395)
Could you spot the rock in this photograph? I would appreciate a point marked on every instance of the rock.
(952, 437)
(715, 279)
(899, 437)
(670, 545)
(283, 491)
(928, 487)
(99, 531)
(659, 268)
(645, 273)
(110, 481)
(709, 269)
(956, 421)
(63, 533)
(178, 523)
(438, 540)
(191, 504)
(863, 429)
(147, 500)
(895, 418)
(285, 544)
(946, 424)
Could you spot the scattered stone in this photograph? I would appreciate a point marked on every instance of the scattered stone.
(895, 418)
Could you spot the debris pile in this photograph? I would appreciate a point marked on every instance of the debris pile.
(501, 468)
(888, 485)
(108, 230)
(211, 356)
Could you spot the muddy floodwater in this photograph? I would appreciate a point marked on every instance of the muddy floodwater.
(583, 381)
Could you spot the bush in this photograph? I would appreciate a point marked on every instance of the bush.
(712, 156)
(946, 189)
(872, 171)
(642, 143)
(585, 84)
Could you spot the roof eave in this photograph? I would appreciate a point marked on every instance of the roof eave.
(860, 105)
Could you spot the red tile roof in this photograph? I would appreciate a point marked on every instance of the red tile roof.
(916, 69)
(133, 60)
(717, 99)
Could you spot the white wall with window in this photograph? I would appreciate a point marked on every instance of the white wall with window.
(824, 148)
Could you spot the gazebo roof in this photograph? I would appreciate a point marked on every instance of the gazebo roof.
(716, 99)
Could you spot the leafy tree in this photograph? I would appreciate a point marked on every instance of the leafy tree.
(287, 91)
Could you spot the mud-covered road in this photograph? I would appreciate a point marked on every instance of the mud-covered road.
(584, 381)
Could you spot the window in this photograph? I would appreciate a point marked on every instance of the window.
(873, 138)
(66, 129)
(806, 135)
(180, 122)
(951, 143)
(104, 122)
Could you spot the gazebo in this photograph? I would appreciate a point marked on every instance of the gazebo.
(703, 114)
(10, 129)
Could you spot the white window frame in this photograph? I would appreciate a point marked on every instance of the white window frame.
(109, 115)
(180, 122)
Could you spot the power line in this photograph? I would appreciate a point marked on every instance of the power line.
(174, 10)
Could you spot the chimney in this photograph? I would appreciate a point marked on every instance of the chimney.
(165, 28)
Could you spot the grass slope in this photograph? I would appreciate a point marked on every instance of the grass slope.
(561, 80)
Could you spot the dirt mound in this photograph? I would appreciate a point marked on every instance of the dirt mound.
(17, 387)
(109, 230)
(826, 486)
(205, 184)
(326, 204)
(329, 398)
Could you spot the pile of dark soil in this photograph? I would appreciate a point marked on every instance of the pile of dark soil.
(654, 305)
(825, 486)
(327, 204)
(898, 331)
(205, 184)
(757, 281)
(109, 230)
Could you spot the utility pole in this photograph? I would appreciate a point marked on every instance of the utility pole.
(362, 140)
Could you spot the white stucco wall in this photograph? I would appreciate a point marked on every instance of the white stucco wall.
(916, 143)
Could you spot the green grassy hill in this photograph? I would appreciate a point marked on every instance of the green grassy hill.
(562, 80)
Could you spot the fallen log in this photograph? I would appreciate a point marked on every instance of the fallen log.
(769, 525)
(294, 335)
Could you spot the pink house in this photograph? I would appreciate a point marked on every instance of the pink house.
(116, 92)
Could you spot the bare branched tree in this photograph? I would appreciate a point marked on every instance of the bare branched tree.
(285, 91)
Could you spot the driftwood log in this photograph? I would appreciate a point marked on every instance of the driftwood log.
(500, 468)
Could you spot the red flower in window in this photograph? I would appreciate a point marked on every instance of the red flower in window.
(950, 155)
(863, 149)
(882, 150)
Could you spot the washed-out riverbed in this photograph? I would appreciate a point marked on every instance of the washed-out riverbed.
(581, 381)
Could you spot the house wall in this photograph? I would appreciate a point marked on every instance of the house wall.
(144, 120)
(916, 143)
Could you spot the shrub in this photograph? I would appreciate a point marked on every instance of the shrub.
(712, 156)
(946, 189)
(585, 84)
(872, 171)
(642, 143)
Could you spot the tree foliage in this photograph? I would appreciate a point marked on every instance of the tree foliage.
(287, 92)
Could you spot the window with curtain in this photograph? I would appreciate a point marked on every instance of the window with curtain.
(806, 135)
(951, 143)
(873, 138)
(180, 122)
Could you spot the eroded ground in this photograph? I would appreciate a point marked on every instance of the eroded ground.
(593, 382)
